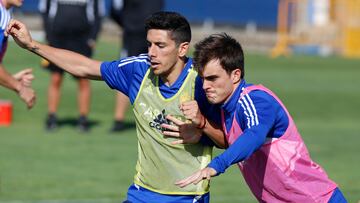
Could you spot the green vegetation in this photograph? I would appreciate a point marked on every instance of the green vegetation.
(66, 166)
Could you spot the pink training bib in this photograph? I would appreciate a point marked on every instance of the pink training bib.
(282, 170)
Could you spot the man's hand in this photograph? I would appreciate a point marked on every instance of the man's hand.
(24, 76)
(27, 95)
(20, 33)
(191, 111)
(195, 178)
(186, 132)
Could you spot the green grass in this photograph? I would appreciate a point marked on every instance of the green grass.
(66, 166)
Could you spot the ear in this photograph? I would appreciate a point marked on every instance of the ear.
(183, 49)
(236, 76)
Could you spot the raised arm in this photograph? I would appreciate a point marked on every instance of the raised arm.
(72, 62)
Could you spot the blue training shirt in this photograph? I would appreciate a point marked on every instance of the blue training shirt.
(259, 115)
(4, 21)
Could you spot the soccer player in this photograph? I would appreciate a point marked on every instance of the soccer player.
(263, 138)
(21, 81)
(156, 84)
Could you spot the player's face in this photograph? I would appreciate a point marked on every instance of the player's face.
(163, 51)
(217, 83)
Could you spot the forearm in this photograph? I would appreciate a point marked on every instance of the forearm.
(215, 133)
(74, 63)
(213, 130)
(8, 81)
(240, 150)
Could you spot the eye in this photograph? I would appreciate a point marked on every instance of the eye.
(211, 78)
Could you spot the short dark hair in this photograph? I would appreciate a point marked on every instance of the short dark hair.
(170, 21)
(222, 47)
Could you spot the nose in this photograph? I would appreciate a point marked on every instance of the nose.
(205, 85)
(151, 50)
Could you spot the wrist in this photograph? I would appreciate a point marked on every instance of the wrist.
(202, 123)
(17, 87)
(32, 46)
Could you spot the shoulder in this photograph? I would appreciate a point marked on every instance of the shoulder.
(260, 95)
(255, 107)
(129, 64)
(255, 95)
(255, 104)
(140, 60)
(250, 103)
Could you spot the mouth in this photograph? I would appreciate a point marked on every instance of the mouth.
(211, 98)
(209, 94)
(154, 64)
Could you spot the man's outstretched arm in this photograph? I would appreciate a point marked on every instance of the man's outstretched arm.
(72, 62)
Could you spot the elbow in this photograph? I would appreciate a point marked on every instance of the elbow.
(226, 145)
(79, 72)
(83, 71)
(223, 144)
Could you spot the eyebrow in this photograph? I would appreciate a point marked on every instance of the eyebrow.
(210, 77)
(157, 43)
(160, 43)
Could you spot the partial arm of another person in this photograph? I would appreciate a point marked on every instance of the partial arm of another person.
(72, 62)
(25, 92)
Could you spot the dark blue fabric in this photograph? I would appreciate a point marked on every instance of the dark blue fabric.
(3, 44)
(137, 194)
(337, 197)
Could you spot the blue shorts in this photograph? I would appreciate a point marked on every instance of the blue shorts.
(137, 194)
(337, 197)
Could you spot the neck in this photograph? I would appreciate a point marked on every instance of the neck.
(174, 72)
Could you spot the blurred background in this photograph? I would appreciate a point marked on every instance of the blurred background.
(321, 27)
(306, 51)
